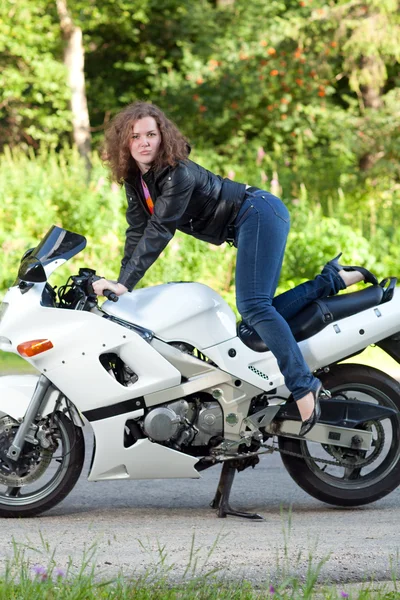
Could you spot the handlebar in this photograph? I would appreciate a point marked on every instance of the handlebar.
(110, 295)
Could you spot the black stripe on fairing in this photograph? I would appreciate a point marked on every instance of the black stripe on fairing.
(105, 412)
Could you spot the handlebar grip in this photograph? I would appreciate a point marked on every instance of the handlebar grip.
(110, 295)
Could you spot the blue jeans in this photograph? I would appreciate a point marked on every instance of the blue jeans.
(261, 230)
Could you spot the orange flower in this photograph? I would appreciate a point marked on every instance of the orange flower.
(313, 73)
(284, 101)
(213, 64)
(263, 43)
(283, 117)
(202, 108)
(293, 134)
(302, 3)
(199, 80)
(243, 56)
(321, 93)
(299, 81)
(333, 44)
(274, 72)
(271, 51)
(196, 97)
(270, 107)
(234, 105)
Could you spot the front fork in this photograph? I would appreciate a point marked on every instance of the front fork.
(42, 386)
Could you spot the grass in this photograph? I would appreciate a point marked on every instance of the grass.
(45, 580)
(12, 363)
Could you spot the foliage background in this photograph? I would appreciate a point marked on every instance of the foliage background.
(297, 96)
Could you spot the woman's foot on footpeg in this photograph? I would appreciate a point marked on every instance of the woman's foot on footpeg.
(314, 396)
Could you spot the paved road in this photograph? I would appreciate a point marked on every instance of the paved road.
(132, 524)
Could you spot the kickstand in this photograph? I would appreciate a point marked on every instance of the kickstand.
(221, 499)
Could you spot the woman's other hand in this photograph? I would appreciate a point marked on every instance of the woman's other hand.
(104, 284)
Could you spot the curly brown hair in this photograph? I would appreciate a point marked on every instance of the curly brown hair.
(116, 154)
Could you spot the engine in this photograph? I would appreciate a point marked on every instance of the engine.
(184, 422)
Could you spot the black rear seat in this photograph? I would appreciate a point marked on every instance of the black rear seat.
(317, 315)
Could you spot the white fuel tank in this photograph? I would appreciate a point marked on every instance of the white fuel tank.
(187, 312)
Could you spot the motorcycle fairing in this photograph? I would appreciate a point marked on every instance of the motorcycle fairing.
(143, 460)
(74, 354)
(184, 312)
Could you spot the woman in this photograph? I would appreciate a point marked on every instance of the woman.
(166, 191)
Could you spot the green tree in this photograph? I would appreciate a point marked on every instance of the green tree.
(33, 89)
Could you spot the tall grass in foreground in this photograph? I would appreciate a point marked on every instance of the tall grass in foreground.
(24, 578)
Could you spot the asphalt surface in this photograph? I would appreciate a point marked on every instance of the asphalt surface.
(167, 525)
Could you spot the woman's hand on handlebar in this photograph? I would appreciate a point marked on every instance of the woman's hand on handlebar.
(104, 284)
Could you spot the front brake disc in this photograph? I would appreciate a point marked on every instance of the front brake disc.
(32, 463)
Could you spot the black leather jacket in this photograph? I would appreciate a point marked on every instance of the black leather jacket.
(186, 197)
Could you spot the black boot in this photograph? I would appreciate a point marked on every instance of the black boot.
(368, 276)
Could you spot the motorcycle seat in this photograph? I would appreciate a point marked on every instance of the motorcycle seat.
(317, 315)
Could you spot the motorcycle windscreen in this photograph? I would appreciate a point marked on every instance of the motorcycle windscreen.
(57, 244)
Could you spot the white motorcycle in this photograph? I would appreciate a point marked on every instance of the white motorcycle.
(171, 385)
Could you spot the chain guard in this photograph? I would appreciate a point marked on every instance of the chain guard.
(34, 462)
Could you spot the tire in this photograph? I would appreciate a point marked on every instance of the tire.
(54, 482)
(352, 486)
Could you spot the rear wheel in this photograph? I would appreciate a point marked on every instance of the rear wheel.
(358, 477)
(41, 477)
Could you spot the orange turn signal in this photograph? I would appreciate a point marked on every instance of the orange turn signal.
(34, 347)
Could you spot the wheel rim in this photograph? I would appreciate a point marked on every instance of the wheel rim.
(48, 482)
(358, 477)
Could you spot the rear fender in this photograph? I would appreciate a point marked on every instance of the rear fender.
(16, 392)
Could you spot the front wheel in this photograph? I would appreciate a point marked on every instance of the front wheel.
(42, 476)
(357, 477)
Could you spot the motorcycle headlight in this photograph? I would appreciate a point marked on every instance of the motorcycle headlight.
(3, 309)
